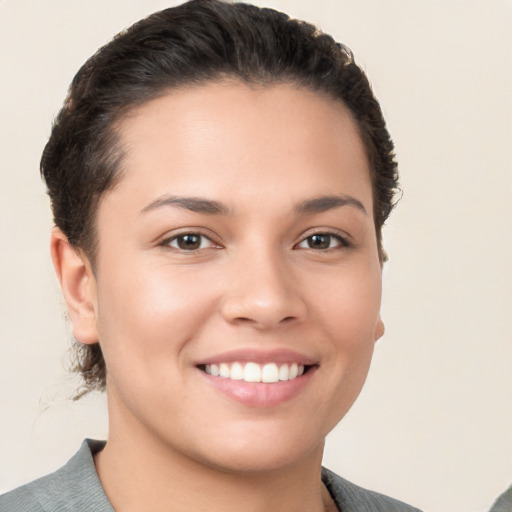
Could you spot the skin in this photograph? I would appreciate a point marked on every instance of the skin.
(255, 283)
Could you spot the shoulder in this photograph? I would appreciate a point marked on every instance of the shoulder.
(73, 487)
(21, 499)
(504, 502)
(352, 498)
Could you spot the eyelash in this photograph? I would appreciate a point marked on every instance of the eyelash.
(169, 241)
(341, 242)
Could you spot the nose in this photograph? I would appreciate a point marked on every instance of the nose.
(262, 292)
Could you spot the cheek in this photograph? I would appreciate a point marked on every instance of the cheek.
(147, 315)
(348, 313)
(348, 306)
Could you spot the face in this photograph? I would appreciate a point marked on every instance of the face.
(238, 242)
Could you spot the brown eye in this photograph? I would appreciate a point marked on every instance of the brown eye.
(189, 242)
(323, 241)
(319, 241)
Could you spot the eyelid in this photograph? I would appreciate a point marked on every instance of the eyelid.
(344, 238)
(166, 240)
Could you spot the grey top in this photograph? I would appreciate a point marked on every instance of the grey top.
(76, 488)
(504, 502)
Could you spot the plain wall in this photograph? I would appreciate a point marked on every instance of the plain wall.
(433, 424)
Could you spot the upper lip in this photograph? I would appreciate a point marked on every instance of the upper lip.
(259, 356)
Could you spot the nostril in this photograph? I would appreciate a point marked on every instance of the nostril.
(243, 319)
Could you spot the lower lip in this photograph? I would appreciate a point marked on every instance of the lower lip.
(259, 394)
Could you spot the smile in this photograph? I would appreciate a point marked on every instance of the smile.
(254, 372)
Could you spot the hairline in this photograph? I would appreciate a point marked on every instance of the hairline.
(116, 148)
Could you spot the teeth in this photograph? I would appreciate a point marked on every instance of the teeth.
(224, 370)
(254, 372)
(237, 372)
(270, 373)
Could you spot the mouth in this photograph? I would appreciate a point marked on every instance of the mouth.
(259, 378)
(268, 373)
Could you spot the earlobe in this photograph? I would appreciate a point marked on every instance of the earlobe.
(78, 287)
(379, 329)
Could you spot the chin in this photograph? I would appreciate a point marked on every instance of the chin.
(264, 460)
(263, 450)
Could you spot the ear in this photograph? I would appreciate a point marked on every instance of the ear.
(379, 329)
(78, 286)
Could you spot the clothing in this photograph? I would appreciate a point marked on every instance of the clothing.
(76, 488)
(504, 502)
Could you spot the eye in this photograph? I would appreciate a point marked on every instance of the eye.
(323, 242)
(189, 242)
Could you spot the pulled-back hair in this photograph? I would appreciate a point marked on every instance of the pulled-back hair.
(195, 43)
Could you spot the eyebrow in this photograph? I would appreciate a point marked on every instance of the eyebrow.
(194, 204)
(211, 207)
(325, 203)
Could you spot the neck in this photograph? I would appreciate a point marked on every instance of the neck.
(141, 472)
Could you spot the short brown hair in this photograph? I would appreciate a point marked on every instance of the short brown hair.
(197, 42)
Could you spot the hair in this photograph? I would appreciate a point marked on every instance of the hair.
(198, 42)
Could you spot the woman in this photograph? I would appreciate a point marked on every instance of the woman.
(219, 177)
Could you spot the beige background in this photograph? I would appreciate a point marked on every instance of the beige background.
(433, 425)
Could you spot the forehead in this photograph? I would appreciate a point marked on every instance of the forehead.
(220, 137)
